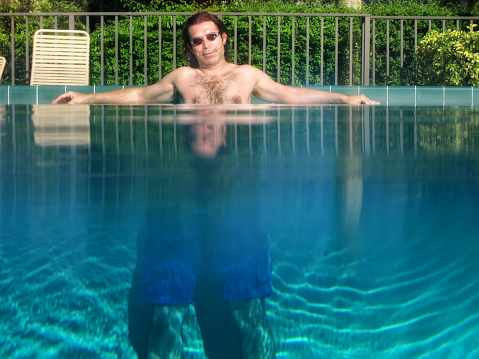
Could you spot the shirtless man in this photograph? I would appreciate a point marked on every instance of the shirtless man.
(210, 79)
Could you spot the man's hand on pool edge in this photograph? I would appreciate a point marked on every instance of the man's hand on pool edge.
(360, 100)
(70, 98)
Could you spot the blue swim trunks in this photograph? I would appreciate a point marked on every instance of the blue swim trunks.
(172, 258)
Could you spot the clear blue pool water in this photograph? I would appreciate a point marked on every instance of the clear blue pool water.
(371, 215)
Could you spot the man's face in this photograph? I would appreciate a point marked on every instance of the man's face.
(208, 53)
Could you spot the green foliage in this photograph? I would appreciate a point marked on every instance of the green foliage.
(124, 62)
(118, 61)
(272, 63)
(20, 40)
(322, 57)
(475, 9)
(450, 58)
(388, 69)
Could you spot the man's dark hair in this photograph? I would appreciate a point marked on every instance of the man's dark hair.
(195, 19)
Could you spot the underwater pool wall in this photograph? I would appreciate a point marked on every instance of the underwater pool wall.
(387, 95)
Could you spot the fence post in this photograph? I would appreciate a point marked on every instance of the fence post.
(12, 48)
(366, 45)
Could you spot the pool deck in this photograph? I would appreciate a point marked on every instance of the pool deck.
(416, 96)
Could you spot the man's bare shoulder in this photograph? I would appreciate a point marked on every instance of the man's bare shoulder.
(181, 73)
(248, 70)
(250, 74)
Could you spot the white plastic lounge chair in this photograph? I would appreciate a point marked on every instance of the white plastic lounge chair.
(2, 66)
(60, 57)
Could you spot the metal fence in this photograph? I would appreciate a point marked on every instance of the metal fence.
(297, 49)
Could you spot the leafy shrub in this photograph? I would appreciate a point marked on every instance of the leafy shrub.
(450, 58)
(127, 64)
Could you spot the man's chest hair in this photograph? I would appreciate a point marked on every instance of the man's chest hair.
(216, 89)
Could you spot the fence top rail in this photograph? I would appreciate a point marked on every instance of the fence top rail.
(33, 14)
(282, 14)
(425, 17)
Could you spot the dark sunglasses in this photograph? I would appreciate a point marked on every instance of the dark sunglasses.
(199, 40)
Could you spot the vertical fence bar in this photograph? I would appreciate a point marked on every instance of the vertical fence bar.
(307, 51)
(336, 50)
(264, 43)
(249, 40)
(322, 49)
(387, 52)
(145, 50)
(116, 50)
(71, 22)
(350, 51)
(159, 48)
(27, 50)
(12, 48)
(366, 45)
(87, 23)
(236, 40)
(415, 48)
(102, 52)
(374, 52)
(174, 42)
(401, 55)
(131, 50)
(278, 71)
(292, 47)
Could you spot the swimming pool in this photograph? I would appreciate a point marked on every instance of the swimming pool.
(370, 215)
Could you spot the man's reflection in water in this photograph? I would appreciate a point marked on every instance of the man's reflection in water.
(203, 263)
(208, 138)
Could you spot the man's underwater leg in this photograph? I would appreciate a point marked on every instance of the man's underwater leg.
(256, 337)
(243, 265)
(168, 262)
(175, 334)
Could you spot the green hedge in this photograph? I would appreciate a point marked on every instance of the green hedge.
(396, 74)
(405, 74)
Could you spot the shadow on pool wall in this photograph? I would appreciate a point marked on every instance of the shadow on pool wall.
(370, 215)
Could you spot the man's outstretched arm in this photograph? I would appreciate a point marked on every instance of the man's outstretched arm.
(271, 91)
(161, 92)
